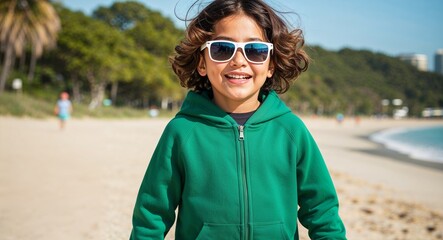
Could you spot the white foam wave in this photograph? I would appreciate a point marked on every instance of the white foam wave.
(415, 151)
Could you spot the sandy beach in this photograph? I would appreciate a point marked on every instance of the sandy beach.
(81, 183)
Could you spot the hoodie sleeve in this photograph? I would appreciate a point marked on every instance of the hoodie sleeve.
(317, 198)
(159, 193)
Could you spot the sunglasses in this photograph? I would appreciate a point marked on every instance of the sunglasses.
(224, 51)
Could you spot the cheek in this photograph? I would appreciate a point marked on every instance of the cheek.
(264, 71)
(215, 69)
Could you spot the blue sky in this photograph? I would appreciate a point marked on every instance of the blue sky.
(392, 27)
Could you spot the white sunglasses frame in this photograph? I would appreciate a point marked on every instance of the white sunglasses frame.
(238, 45)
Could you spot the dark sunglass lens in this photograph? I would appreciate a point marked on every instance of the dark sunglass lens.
(256, 52)
(222, 51)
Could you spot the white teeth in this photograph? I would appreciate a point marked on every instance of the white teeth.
(238, 76)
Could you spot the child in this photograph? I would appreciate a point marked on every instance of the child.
(63, 109)
(235, 160)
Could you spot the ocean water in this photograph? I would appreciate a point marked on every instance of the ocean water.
(421, 143)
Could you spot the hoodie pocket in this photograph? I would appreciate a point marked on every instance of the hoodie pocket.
(271, 230)
(212, 231)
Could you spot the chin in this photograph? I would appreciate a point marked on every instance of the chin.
(239, 95)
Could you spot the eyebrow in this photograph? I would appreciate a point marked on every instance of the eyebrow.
(252, 39)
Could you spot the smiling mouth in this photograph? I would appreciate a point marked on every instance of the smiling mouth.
(237, 77)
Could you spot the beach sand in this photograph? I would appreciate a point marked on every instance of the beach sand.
(81, 183)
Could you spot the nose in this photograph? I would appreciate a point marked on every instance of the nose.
(239, 58)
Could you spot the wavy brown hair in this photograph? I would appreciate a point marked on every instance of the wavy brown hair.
(288, 56)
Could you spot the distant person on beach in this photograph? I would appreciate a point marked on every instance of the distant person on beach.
(235, 160)
(339, 118)
(63, 109)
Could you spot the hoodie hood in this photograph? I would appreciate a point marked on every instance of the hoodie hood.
(199, 105)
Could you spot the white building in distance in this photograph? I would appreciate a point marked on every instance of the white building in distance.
(438, 61)
(420, 61)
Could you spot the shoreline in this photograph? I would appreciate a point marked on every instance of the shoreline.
(394, 155)
(386, 152)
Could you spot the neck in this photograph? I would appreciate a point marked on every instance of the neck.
(238, 107)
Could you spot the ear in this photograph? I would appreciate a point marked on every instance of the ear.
(201, 68)
(270, 70)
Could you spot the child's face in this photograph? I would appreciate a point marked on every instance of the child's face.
(236, 83)
(64, 96)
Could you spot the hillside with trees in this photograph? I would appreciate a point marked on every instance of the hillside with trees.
(121, 53)
(356, 81)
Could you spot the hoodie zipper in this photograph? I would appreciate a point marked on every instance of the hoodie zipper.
(244, 179)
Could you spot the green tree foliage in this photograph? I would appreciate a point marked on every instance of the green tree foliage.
(123, 15)
(100, 56)
(152, 33)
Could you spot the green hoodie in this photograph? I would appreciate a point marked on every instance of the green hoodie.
(236, 182)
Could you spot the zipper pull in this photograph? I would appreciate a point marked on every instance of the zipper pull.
(241, 132)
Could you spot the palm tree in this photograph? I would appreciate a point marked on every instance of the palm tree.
(23, 23)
